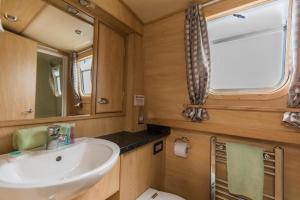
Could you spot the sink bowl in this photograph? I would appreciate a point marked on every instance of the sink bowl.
(58, 174)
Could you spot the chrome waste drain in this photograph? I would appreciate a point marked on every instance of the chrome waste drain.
(58, 158)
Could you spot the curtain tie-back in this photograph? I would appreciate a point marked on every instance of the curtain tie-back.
(292, 119)
(195, 114)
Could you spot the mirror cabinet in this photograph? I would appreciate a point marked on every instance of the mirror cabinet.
(55, 64)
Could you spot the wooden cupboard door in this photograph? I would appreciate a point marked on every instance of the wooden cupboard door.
(18, 60)
(110, 73)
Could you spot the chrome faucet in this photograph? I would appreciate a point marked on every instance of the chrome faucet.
(53, 131)
(61, 139)
(54, 134)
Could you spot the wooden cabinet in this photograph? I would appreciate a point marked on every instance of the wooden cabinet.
(106, 187)
(110, 73)
(140, 169)
(134, 173)
(18, 60)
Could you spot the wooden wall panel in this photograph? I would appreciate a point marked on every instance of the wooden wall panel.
(134, 83)
(190, 177)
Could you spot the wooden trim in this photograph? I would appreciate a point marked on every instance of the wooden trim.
(58, 119)
(125, 80)
(240, 5)
(85, 54)
(209, 15)
(49, 48)
(244, 108)
(289, 137)
(95, 66)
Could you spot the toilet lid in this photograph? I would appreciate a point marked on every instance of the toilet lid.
(152, 194)
(168, 196)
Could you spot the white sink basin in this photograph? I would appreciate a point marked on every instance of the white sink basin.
(59, 174)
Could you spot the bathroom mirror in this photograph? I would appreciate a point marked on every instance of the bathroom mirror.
(46, 60)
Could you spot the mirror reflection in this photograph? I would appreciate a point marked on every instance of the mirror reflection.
(52, 47)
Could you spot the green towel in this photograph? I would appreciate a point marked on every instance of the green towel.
(245, 170)
(30, 138)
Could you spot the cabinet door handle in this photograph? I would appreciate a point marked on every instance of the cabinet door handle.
(29, 111)
(103, 101)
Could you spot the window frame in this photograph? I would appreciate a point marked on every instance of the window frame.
(263, 93)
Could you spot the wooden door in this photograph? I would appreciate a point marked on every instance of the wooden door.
(110, 73)
(18, 60)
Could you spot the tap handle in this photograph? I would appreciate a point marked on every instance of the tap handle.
(53, 130)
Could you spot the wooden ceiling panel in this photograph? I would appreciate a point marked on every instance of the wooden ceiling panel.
(25, 10)
(149, 10)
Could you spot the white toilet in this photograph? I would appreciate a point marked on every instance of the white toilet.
(152, 194)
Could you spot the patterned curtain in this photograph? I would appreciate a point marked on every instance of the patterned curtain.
(198, 62)
(75, 81)
(293, 118)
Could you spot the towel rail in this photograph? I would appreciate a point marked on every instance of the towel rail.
(225, 187)
(273, 164)
(222, 198)
(266, 166)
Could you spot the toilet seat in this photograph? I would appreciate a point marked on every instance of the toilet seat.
(152, 194)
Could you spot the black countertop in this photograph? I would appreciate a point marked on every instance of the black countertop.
(128, 141)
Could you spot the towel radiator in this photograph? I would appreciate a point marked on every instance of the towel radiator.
(273, 162)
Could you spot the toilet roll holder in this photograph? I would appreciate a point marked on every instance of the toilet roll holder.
(185, 140)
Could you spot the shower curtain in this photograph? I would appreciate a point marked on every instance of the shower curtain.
(293, 118)
(197, 62)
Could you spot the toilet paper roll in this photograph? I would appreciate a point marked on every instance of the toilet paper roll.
(181, 149)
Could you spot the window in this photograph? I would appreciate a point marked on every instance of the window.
(85, 70)
(56, 81)
(248, 48)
